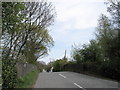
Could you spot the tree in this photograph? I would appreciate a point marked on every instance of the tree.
(34, 50)
(11, 21)
(114, 9)
(21, 22)
(11, 18)
(76, 55)
(105, 36)
(102, 55)
(36, 16)
(108, 40)
(87, 53)
(58, 65)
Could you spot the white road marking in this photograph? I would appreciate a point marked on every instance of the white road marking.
(62, 75)
(73, 83)
(78, 86)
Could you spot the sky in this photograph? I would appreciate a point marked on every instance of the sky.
(75, 23)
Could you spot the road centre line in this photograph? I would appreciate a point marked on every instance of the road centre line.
(78, 86)
(62, 76)
(73, 83)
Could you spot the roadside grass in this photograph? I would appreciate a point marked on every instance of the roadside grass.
(28, 80)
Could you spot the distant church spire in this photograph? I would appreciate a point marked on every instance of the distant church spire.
(65, 54)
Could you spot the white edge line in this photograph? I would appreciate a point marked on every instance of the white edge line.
(62, 75)
(79, 86)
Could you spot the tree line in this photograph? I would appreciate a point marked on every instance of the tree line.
(102, 55)
(25, 35)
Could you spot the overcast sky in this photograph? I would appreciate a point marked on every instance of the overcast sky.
(75, 23)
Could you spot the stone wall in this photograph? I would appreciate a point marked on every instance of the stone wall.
(24, 68)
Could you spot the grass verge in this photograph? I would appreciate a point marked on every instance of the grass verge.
(28, 80)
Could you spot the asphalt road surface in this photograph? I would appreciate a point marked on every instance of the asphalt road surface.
(72, 80)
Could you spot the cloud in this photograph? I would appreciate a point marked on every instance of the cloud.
(75, 23)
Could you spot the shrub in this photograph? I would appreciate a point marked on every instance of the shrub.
(9, 73)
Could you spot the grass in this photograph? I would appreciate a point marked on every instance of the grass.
(28, 80)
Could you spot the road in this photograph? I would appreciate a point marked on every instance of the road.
(72, 80)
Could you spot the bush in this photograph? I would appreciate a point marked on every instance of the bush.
(109, 71)
(9, 73)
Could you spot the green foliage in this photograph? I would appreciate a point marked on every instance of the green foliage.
(11, 18)
(9, 73)
(24, 34)
(102, 55)
(58, 65)
(28, 80)
(87, 53)
(76, 54)
(72, 66)
(37, 46)
(108, 41)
